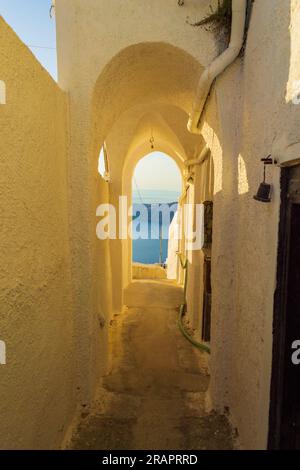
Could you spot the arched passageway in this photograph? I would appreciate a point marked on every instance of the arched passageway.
(147, 106)
(143, 85)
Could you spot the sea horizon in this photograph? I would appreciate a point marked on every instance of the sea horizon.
(154, 196)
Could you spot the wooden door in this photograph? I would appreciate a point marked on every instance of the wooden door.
(285, 393)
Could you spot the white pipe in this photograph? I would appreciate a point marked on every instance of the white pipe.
(239, 9)
(196, 161)
(201, 159)
(52, 9)
(183, 196)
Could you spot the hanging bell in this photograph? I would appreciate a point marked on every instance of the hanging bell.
(263, 193)
(265, 190)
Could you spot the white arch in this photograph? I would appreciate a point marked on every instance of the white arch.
(133, 159)
(143, 73)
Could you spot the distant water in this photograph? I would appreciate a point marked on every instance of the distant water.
(147, 251)
(149, 196)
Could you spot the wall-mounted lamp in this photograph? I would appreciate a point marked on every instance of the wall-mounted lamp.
(264, 192)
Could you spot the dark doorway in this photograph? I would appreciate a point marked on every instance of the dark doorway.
(284, 432)
(207, 291)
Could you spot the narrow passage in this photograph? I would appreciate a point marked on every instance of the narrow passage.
(153, 396)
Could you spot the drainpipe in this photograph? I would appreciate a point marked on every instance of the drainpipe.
(239, 9)
(52, 9)
(201, 159)
(196, 161)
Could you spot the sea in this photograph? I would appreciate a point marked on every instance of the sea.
(148, 251)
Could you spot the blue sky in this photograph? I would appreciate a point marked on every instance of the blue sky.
(31, 21)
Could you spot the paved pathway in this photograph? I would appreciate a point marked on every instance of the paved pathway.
(153, 397)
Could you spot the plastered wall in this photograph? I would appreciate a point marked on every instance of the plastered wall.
(201, 190)
(247, 113)
(37, 385)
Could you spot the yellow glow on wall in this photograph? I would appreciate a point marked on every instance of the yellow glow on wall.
(2, 92)
(214, 144)
(243, 185)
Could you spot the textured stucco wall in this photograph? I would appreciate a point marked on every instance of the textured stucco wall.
(202, 190)
(246, 115)
(145, 271)
(92, 32)
(37, 400)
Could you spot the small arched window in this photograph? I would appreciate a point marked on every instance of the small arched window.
(2, 92)
(103, 167)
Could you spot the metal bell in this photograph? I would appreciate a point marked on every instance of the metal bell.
(264, 193)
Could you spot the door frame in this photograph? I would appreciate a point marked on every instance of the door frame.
(288, 198)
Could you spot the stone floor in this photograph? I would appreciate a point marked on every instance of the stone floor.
(153, 397)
